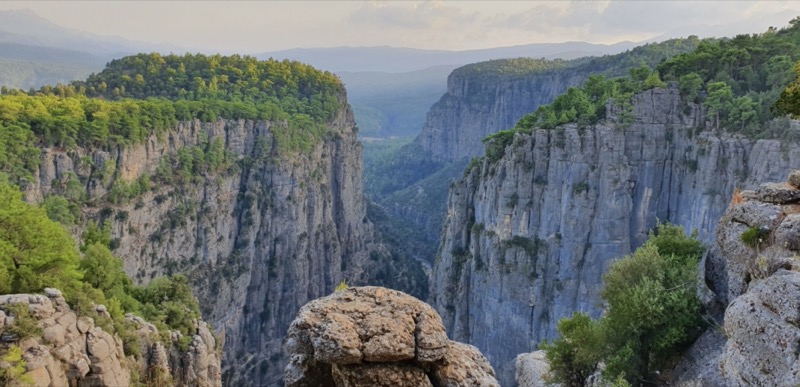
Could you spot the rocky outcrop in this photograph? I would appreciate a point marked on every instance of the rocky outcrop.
(762, 322)
(532, 369)
(477, 105)
(527, 238)
(71, 350)
(763, 328)
(279, 227)
(372, 336)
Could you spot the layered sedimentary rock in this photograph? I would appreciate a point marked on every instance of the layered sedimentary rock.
(71, 350)
(372, 336)
(757, 243)
(258, 240)
(527, 237)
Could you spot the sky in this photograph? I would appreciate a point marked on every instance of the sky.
(259, 26)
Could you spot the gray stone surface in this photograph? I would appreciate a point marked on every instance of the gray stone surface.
(373, 336)
(527, 239)
(531, 369)
(763, 333)
(257, 242)
(72, 351)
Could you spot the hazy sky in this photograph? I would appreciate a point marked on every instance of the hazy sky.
(256, 26)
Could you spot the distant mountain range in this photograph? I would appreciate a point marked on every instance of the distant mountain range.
(390, 88)
(395, 59)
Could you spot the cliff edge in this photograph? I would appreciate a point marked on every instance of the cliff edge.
(373, 336)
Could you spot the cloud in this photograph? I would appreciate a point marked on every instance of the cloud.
(411, 15)
(616, 20)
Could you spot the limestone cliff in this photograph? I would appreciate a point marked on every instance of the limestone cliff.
(476, 106)
(372, 336)
(481, 99)
(71, 350)
(258, 240)
(527, 238)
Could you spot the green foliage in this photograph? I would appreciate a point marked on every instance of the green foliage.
(34, 251)
(24, 325)
(342, 286)
(19, 155)
(16, 372)
(147, 94)
(744, 77)
(123, 191)
(754, 236)
(60, 210)
(574, 356)
(169, 300)
(653, 311)
(495, 144)
(96, 234)
(690, 84)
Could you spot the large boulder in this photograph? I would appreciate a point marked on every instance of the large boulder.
(373, 336)
(72, 350)
(763, 328)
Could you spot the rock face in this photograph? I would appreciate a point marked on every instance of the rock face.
(531, 369)
(257, 241)
(527, 238)
(762, 321)
(476, 106)
(73, 351)
(372, 336)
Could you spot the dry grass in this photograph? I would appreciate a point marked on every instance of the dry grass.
(737, 197)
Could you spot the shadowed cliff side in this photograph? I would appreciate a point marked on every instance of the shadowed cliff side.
(528, 237)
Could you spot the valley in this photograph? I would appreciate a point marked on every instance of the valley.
(302, 216)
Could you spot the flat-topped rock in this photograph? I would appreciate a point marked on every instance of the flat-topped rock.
(373, 336)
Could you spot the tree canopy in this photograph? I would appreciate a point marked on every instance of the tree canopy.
(652, 314)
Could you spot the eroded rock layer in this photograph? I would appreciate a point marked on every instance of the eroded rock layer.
(373, 336)
(528, 237)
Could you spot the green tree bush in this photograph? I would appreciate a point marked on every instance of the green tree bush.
(653, 313)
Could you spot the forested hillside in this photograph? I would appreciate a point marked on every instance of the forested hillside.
(243, 175)
(482, 98)
(580, 182)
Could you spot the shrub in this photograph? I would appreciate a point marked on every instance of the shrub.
(754, 236)
(16, 370)
(653, 313)
(24, 325)
(574, 356)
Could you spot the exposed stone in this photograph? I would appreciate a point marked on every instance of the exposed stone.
(308, 204)
(532, 369)
(527, 238)
(55, 334)
(372, 336)
(39, 377)
(463, 365)
(379, 375)
(37, 357)
(794, 178)
(84, 324)
(779, 193)
(763, 333)
(72, 351)
(787, 235)
(52, 293)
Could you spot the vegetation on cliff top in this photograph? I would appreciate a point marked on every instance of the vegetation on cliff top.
(36, 252)
(652, 314)
(737, 80)
(147, 94)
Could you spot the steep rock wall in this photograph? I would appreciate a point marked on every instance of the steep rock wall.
(257, 241)
(527, 239)
(71, 351)
(474, 107)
